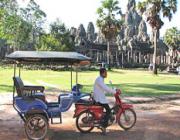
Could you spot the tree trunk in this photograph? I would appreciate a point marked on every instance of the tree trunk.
(117, 60)
(174, 60)
(33, 40)
(108, 53)
(122, 60)
(131, 60)
(97, 56)
(134, 57)
(155, 53)
(128, 56)
(139, 57)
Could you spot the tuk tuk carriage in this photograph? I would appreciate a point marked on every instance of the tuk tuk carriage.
(30, 101)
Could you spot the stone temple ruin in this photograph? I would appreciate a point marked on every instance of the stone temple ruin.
(132, 45)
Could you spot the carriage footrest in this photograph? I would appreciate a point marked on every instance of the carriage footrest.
(56, 118)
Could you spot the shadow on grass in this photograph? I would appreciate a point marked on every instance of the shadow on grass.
(159, 87)
(6, 88)
(116, 72)
(129, 89)
(166, 73)
(143, 89)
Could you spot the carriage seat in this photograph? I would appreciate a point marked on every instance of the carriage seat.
(85, 102)
(28, 91)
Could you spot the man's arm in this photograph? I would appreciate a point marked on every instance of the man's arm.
(101, 84)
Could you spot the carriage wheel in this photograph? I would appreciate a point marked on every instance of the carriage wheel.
(36, 127)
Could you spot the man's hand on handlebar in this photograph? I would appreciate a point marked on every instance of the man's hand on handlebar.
(118, 91)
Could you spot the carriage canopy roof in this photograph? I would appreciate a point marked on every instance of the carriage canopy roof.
(47, 56)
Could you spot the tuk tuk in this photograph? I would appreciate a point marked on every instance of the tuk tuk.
(30, 101)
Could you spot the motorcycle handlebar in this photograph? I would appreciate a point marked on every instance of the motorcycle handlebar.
(118, 92)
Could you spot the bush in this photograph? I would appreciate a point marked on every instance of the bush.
(162, 67)
(135, 65)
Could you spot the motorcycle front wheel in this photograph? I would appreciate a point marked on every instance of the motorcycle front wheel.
(85, 122)
(127, 119)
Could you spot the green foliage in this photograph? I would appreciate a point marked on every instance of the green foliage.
(47, 42)
(172, 38)
(9, 19)
(60, 33)
(18, 26)
(36, 18)
(153, 8)
(107, 21)
(22, 28)
(13, 27)
(23, 34)
(33, 14)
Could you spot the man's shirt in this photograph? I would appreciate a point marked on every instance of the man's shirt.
(100, 89)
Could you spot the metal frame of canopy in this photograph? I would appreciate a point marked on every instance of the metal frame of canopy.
(29, 57)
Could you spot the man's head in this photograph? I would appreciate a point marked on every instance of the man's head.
(103, 72)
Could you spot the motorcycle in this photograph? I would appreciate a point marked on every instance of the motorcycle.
(90, 115)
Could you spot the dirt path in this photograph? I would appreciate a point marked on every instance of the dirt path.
(155, 121)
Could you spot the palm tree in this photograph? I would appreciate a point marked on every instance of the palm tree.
(107, 22)
(172, 39)
(152, 10)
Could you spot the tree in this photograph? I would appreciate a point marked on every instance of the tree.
(23, 34)
(172, 39)
(47, 43)
(8, 19)
(107, 22)
(13, 28)
(57, 40)
(152, 10)
(59, 31)
(36, 18)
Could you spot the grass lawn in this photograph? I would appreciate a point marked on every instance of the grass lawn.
(132, 82)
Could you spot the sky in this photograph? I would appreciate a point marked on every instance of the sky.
(74, 12)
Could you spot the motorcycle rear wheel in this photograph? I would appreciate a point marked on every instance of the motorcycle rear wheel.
(85, 121)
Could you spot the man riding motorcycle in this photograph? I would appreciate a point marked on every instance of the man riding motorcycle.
(100, 89)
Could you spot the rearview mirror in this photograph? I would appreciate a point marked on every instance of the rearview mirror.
(110, 82)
